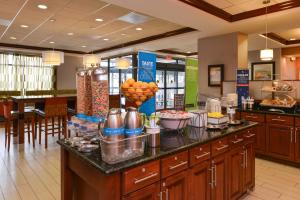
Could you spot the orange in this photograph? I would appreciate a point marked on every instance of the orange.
(152, 84)
(131, 90)
(130, 81)
(125, 85)
(138, 103)
(143, 98)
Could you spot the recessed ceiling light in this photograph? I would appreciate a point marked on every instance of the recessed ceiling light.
(83, 46)
(188, 52)
(42, 6)
(139, 29)
(24, 26)
(13, 38)
(292, 38)
(51, 42)
(99, 20)
(70, 34)
(52, 20)
(123, 34)
(105, 39)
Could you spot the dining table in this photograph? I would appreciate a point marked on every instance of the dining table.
(19, 105)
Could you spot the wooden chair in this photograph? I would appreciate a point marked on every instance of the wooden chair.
(55, 109)
(10, 115)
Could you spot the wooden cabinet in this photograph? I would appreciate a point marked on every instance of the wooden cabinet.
(280, 141)
(200, 181)
(249, 167)
(236, 169)
(297, 144)
(175, 187)
(151, 192)
(219, 169)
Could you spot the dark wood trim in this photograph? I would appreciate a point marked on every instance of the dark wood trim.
(262, 11)
(18, 46)
(276, 37)
(209, 8)
(281, 40)
(147, 39)
(168, 51)
(218, 12)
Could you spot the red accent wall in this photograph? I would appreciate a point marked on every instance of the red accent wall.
(297, 68)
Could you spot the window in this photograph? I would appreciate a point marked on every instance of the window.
(170, 79)
(18, 72)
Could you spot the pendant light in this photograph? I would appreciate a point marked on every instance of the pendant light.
(266, 54)
(53, 58)
(91, 60)
(123, 63)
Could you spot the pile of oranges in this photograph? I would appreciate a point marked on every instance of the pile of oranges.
(138, 91)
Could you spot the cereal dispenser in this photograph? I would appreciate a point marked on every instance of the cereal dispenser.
(84, 92)
(100, 96)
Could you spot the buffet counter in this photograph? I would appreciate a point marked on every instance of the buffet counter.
(162, 171)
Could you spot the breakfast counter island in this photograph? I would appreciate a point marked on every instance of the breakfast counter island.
(196, 164)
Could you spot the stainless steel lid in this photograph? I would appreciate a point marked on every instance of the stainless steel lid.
(131, 109)
(114, 111)
(99, 74)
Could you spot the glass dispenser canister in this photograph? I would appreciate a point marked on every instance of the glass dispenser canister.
(100, 96)
(84, 92)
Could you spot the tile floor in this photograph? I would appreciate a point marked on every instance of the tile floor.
(35, 175)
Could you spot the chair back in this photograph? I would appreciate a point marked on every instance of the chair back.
(55, 107)
(7, 108)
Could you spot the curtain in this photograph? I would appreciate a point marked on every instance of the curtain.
(19, 72)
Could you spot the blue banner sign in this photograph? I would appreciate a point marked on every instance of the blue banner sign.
(147, 73)
(242, 84)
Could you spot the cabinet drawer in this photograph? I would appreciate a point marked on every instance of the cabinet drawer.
(219, 146)
(235, 140)
(141, 176)
(297, 121)
(199, 154)
(254, 117)
(280, 119)
(175, 163)
(250, 134)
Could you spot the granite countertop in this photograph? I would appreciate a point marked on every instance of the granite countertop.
(294, 111)
(170, 142)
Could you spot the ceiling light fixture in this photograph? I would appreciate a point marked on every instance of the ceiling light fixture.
(51, 42)
(292, 39)
(42, 6)
(266, 54)
(70, 34)
(188, 52)
(52, 20)
(139, 29)
(53, 58)
(13, 38)
(83, 46)
(91, 60)
(123, 63)
(105, 39)
(99, 20)
(24, 26)
(123, 34)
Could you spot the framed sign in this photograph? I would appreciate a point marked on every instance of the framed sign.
(215, 75)
(179, 101)
(263, 71)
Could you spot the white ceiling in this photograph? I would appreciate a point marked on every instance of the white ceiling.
(72, 16)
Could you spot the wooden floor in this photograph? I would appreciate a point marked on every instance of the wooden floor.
(35, 174)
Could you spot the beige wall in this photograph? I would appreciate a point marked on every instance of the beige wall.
(229, 49)
(66, 78)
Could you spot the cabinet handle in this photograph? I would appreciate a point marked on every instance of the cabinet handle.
(179, 165)
(136, 181)
(292, 130)
(237, 141)
(160, 195)
(250, 136)
(222, 147)
(246, 158)
(202, 155)
(215, 170)
(296, 132)
(243, 163)
(279, 120)
(211, 177)
(167, 194)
